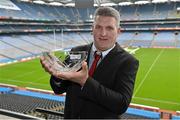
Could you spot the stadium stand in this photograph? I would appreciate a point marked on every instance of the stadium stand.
(35, 28)
(147, 114)
(9, 115)
(164, 39)
(5, 90)
(25, 102)
(30, 31)
(33, 103)
(17, 103)
(174, 117)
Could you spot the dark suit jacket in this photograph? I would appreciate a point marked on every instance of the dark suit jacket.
(105, 95)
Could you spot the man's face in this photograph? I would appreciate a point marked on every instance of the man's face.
(105, 32)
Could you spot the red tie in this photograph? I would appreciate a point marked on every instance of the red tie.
(94, 64)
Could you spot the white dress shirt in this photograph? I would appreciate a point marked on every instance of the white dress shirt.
(104, 53)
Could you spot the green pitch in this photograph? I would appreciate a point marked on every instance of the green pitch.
(158, 79)
(25, 74)
(157, 82)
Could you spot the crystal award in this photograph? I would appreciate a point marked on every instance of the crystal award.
(65, 61)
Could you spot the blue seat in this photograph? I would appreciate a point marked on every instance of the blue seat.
(174, 117)
(145, 113)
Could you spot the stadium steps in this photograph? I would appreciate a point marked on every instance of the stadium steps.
(45, 40)
(18, 47)
(35, 45)
(5, 58)
(153, 40)
(83, 38)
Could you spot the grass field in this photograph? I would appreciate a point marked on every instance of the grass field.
(157, 83)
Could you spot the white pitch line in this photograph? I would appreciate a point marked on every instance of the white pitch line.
(41, 78)
(142, 81)
(17, 81)
(179, 65)
(26, 73)
(157, 101)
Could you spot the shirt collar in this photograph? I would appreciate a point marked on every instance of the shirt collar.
(104, 53)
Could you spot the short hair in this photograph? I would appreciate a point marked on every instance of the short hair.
(108, 11)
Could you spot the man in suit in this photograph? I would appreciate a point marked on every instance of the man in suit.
(107, 92)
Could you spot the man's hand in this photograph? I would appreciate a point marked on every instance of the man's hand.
(79, 77)
(45, 64)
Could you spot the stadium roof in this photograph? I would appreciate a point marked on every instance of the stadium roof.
(98, 2)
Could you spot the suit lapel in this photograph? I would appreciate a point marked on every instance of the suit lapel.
(116, 50)
(111, 54)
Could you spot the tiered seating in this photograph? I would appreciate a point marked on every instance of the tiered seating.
(132, 12)
(174, 117)
(145, 11)
(172, 10)
(32, 103)
(149, 11)
(147, 114)
(27, 105)
(125, 38)
(127, 116)
(128, 13)
(142, 39)
(7, 49)
(20, 46)
(5, 59)
(149, 39)
(4, 90)
(17, 46)
(26, 102)
(164, 39)
(84, 13)
(178, 41)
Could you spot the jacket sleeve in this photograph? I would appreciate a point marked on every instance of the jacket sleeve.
(59, 86)
(117, 98)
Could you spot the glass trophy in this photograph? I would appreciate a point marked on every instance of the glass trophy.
(65, 61)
